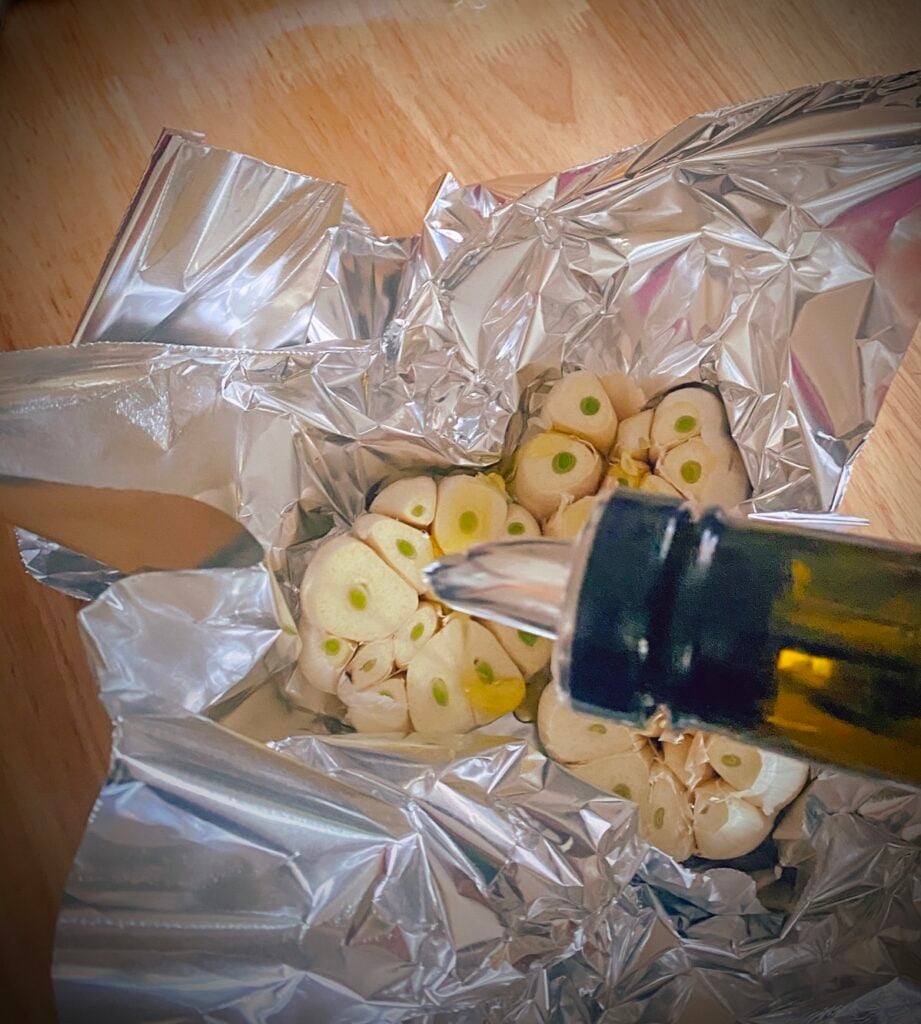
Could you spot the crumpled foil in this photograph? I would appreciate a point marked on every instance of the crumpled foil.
(249, 860)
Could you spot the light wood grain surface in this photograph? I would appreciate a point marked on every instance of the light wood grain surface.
(384, 96)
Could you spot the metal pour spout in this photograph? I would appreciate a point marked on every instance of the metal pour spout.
(520, 583)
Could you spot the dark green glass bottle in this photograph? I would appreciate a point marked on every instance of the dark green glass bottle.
(805, 642)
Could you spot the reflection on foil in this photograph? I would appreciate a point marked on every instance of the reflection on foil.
(305, 874)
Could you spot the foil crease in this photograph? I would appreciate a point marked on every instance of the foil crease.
(250, 861)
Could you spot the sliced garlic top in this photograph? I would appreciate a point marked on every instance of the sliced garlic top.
(726, 825)
(578, 404)
(403, 548)
(470, 511)
(688, 467)
(625, 775)
(551, 466)
(349, 591)
(490, 678)
(415, 632)
(434, 684)
(411, 499)
(665, 820)
(371, 663)
(520, 524)
(684, 414)
(530, 652)
(768, 780)
(323, 656)
(573, 736)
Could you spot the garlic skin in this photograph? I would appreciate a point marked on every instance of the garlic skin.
(767, 780)
(725, 824)
(625, 395)
(686, 756)
(573, 737)
(411, 500)
(578, 404)
(634, 436)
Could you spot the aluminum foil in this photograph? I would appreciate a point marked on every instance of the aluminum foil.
(250, 861)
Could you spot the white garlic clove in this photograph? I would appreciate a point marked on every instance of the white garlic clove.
(470, 511)
(371, 663)
(573, 736)
(665, 819)
(520, 524)
(625, 775)
(381, 708)
(415, 633)
(411, 500)
(768, 780)
(577, 404)
(323, 657)
(434, 684)
(530, 652)
(684, 414)
(551, 466)
(350, 592)
(725, 824)
(625, 395)
(404, 548)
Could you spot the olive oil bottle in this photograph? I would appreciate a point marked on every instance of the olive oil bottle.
(802, 641)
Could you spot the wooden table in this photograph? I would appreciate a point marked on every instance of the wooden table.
(384, 96)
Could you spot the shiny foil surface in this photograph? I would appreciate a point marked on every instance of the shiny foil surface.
(251, 342)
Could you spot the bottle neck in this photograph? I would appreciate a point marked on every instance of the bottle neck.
(799, 641)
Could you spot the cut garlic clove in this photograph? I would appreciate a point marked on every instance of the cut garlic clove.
(577, 404)
(633, 436)
(404, 548)
(625, 775)
(323, 657)
(520, 524)
(530, 652)
(665, 820)
(310, 698)
(726, 825)
(569, 519)
(415, 633)
(552, 466)
(572, 736)
(434, 686)
(469, 511)
(491, 680)
(625, 395)
(686, 413)
(652, 483)
(768, 780)
(349, 591)
(693, 467)
(372, 663)
(381, 708)
(686, 756)
(412, 500)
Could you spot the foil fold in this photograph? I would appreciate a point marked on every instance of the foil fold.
(252, 343)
